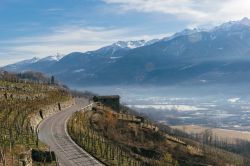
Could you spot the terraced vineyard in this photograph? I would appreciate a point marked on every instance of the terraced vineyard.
(124, 141)
(19, 102)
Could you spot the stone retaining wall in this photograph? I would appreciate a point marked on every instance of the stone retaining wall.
(47, 111)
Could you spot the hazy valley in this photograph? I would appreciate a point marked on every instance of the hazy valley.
(220, 106)
(177, 99)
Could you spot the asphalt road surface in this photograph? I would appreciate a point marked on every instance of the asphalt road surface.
(52, 131)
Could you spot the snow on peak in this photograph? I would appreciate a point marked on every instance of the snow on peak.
(190, 31)
(111, 49)
(52, 58)
(36, 59)
(245, 21)
(33, 60)
(130, 44)
(225, 27)
(134, 44)
(228, 25)
(185, 32)
(29, 61)
(149, 42)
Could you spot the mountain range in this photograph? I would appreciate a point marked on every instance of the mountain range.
(193, 56)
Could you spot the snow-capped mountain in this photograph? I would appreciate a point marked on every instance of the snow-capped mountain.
(109, 53)
(124, 46)
(133, 44)
(52, 58)
(221, 54)
(225, 27)
(229, 25)
(29, 61)
(34, 63)
(23, 64)
(185, 32)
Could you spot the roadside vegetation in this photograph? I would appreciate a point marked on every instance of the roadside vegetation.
(116, 141)
(21, 96)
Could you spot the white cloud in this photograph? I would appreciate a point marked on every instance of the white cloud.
(195, 11)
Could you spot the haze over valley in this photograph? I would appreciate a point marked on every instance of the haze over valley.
(124, 83)
(216, 106)
(196, 76)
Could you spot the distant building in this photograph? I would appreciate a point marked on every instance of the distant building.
(110, 101)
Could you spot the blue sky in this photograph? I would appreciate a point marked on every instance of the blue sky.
(40, 28)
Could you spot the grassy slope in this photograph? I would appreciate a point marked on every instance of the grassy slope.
(23, 99)
(101, 134)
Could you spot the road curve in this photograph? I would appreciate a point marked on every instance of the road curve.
(52, 131)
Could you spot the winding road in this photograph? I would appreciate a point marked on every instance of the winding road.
(53, 132)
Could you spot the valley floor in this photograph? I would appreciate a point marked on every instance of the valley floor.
(230, 135)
